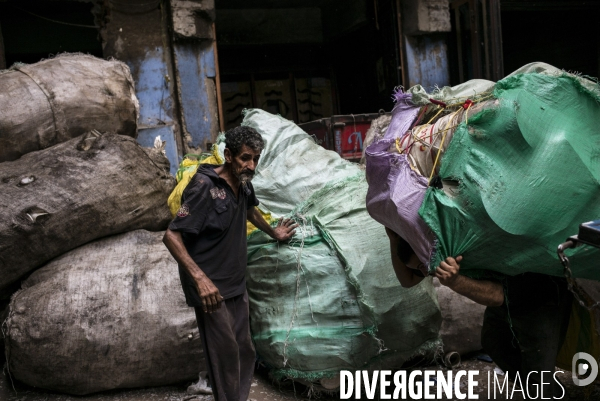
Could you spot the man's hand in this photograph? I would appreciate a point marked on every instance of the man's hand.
(484, 292)
(209, 294)
(285, 229)
(447, 271)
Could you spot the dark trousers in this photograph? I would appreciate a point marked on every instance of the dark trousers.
(539, 331)
(228, 348)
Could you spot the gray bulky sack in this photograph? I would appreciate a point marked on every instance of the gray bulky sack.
(110, 314)
(52, 101)
(462, 320)
(57, 199)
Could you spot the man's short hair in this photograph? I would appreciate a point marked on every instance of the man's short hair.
(237, 137)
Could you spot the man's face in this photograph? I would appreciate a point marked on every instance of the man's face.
(244, 164)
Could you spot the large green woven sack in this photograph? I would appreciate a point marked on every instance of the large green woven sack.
(528, 171)
(329, 299)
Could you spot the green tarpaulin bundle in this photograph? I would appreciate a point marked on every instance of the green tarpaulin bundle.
(328, 300)
(518, 176)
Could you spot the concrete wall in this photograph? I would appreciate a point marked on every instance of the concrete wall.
(192, 19)
(426, 16)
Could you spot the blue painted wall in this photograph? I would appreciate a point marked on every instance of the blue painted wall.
(427, 61)
(174, 76)
(195, 65)
(151, 75)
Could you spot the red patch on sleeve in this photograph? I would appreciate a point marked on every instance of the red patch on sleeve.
(183, 211)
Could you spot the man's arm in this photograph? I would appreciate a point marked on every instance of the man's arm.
(209, 294)
(284, 231)
(405, 275)
(484, 292)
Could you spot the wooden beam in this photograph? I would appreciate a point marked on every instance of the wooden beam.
(401, 45)
(218, 80)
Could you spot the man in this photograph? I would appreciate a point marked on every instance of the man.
(208, 240)
(524, 323)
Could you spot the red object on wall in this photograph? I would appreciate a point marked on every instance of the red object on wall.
(344, 134)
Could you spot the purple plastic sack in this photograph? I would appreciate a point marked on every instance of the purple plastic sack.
(395, 191)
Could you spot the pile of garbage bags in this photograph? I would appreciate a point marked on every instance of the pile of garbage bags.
(95, 301)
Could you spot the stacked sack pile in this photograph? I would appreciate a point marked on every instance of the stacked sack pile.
(95, 302)
(500, 173)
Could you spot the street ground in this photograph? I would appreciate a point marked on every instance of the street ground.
(264, 389)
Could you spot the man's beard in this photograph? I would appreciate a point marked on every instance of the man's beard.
(246, 177)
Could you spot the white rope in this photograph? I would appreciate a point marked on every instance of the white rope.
(295, 310)
(304, 230)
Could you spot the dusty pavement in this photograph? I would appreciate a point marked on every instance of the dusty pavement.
(263, 389)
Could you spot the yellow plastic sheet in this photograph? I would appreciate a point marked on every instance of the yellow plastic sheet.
(250, 228)
(187, 169)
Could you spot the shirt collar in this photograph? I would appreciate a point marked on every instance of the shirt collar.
(209, 171)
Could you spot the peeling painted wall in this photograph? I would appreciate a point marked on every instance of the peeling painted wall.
(425, 43)
(169, 47)
(138, 37)
(195, 65)
(427, 61)
(194, 49)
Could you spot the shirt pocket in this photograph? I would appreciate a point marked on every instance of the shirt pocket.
(222, 216)
(221, 208)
